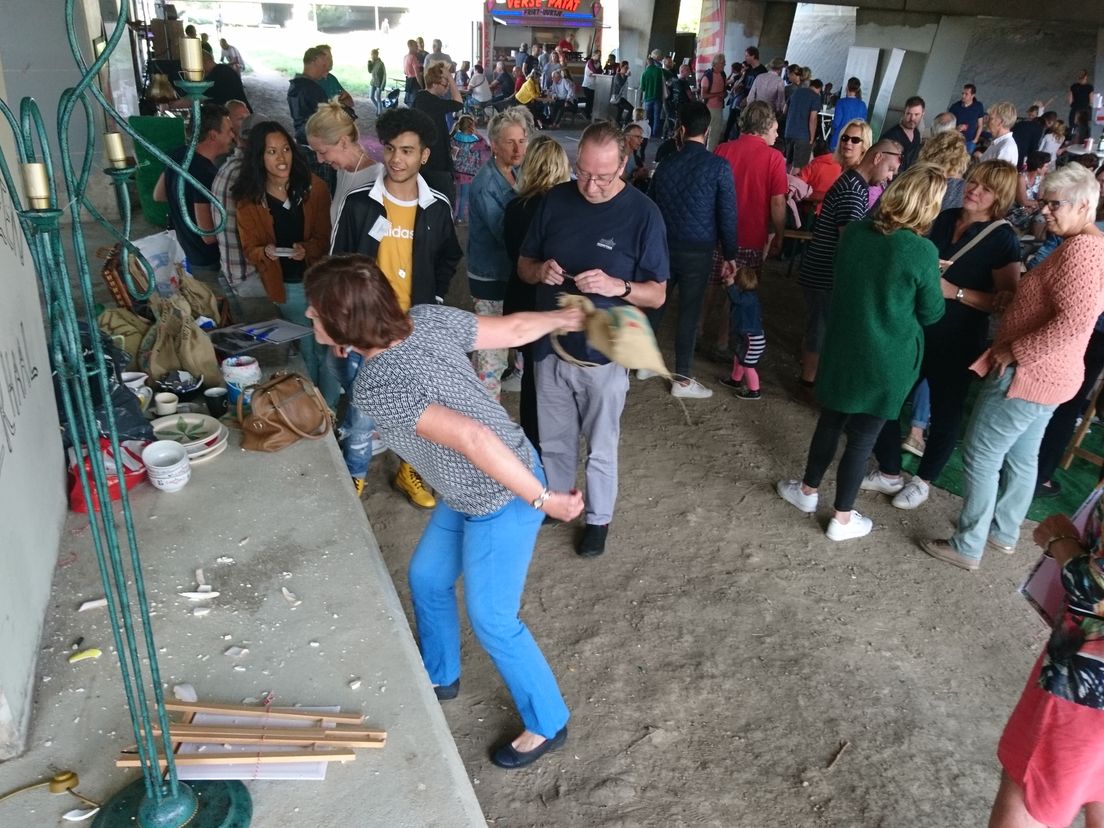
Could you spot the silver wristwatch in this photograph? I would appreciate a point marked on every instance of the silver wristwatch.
(539, 501)
(960, 294)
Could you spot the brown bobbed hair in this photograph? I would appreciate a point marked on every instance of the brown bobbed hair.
(1000, 178)
(912, 201)
(355, 303)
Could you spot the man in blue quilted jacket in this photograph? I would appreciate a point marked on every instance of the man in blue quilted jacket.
(696, 195)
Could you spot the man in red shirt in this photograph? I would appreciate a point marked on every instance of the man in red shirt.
(759, 173)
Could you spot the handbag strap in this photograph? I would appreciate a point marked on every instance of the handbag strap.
(985, 231)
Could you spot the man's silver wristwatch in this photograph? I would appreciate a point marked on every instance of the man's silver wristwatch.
(960, 294)
(539, 501)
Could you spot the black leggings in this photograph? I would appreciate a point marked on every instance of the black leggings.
(861, 430)
(949, 378)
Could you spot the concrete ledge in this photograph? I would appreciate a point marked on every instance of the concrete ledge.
(287, 519)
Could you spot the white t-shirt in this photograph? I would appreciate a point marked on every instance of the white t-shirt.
(479, 87)
(1002, 149)
(1050, 144)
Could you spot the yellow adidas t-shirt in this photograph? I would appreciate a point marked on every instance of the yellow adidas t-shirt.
(396, 250)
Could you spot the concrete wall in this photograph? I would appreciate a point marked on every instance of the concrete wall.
(32, 504)
(820, 38)
(1021, 60)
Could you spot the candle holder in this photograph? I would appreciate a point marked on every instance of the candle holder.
(159, 799)
(194, 89)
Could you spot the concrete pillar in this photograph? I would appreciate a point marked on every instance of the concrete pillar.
(939, 79)
(778, 19)
(664, 22)
(634, 20)
(765, 25)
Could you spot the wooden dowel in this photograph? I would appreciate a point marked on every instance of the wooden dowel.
(259, 758)
(263, 712)
(301, 732)
(261, 738)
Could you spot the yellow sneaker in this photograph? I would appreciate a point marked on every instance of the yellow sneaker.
(358, 484)
(410, 483)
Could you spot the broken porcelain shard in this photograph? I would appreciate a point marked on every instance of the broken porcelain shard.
(198, 596)
(95, 603)
(236, 652)
(77, 815)
(290, 597)
(185, 693)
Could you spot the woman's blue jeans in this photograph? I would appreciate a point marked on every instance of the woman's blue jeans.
(354, 434)
(492, 552)
(294, 309)
(1001, 453)
(376, 96)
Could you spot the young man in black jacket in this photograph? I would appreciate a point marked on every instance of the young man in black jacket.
(407, 228)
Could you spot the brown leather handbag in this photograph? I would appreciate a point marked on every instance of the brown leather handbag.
(284, 409)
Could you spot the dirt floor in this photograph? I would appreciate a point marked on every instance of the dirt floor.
(725, 663)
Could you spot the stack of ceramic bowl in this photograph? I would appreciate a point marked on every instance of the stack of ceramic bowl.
(167, 465)
(201, 436)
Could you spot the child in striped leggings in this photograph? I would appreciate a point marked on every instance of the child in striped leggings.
(745, 333)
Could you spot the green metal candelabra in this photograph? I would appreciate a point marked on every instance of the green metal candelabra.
(159, 799)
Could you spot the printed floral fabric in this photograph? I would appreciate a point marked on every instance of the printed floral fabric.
(1073, 664)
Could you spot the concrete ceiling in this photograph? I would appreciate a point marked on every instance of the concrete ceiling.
(1090, 12)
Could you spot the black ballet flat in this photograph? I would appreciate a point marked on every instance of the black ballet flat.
(510, 758)
(445, 692)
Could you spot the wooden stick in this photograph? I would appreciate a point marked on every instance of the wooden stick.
(259, 758)
(262, 738)
(263, 712)
(307, 732)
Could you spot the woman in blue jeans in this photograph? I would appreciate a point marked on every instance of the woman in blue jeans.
(417, 384)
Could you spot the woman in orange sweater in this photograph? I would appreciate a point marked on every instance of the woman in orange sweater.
(1035, 363)
(284, 226)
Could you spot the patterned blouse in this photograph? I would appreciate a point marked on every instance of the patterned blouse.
(431, 366)
(1073, 664)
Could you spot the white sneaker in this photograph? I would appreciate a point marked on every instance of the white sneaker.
(878, 482)
(790, 491)
(691, 390)
(857, 527)
(644, 373)
(913, 495)
(512, 383)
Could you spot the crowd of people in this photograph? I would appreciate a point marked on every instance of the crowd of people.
(915, 283)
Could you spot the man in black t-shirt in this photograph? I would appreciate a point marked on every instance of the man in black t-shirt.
(227, 83)
(598, 237)
(907, 131)
(1027, 134)
(215, 140)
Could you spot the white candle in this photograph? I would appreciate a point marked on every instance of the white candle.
(36, 185)
(114, 150)
(191, 58)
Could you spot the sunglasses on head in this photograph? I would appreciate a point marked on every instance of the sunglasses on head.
(851, 139)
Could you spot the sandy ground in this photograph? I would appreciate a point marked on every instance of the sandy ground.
(722, 651)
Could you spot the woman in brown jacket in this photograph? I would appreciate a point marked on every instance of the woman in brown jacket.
(284, 225)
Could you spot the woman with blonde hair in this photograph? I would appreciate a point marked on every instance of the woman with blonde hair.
(855, 139)
(1054, 140)
(333, 136)
(980, 255)
(546, 165)
(886, 289)
(947, 151)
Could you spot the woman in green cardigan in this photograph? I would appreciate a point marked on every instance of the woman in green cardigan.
(886, 291)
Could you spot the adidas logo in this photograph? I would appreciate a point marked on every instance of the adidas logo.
(400, 233)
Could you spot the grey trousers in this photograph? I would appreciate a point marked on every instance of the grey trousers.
(571, 400)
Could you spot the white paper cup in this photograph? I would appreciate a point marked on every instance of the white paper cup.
(165, 403)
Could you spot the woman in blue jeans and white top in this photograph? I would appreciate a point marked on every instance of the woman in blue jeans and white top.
(417, 384)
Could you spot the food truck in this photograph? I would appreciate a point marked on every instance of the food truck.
(509, 23)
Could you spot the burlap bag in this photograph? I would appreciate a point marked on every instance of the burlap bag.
(176, 342)
(201, 299)
(621, 333)
(126, 329)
